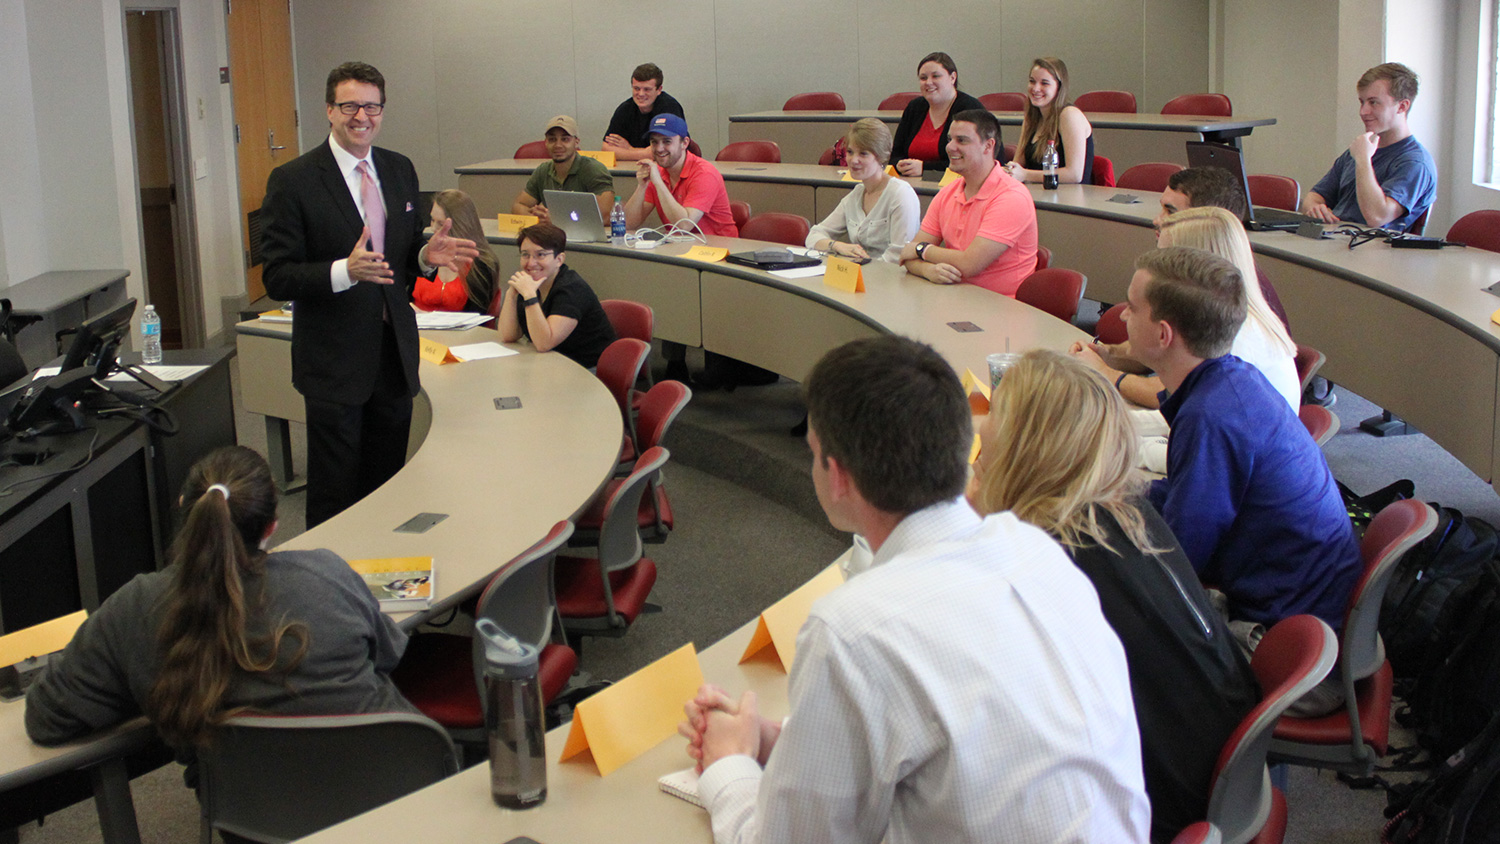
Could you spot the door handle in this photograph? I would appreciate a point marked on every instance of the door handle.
(272, 141)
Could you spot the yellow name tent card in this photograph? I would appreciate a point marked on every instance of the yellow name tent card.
(40, 639)
(512, 223)
(949, 177)
(778, 625)
(889, 168)
(978, 391)
(974, 449)
(844, 275)
(711, 254)
(635, 714)
(605, 157)
(434, 352)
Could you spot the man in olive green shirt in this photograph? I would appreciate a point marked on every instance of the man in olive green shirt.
(566, 171)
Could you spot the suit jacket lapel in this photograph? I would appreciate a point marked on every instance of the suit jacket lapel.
(338, 189)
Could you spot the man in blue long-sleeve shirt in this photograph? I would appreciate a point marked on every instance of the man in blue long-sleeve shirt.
(1247, 492)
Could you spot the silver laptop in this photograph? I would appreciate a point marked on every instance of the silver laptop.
(577, 214)
(1225, 157)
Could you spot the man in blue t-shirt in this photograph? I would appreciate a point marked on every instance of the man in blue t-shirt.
(1385, 178)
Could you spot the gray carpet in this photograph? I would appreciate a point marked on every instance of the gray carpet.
(749, 530)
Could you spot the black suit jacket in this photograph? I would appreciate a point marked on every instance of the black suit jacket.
(309, 221)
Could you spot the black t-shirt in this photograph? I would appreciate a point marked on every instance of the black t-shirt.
(630, 124)
(1189, 681)
(572, 297)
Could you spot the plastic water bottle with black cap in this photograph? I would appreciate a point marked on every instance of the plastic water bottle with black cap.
(150, 336)
(513, 718)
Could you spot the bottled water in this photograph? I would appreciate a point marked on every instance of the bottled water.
(150, 336)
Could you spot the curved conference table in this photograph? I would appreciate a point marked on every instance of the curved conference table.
(1408, 329)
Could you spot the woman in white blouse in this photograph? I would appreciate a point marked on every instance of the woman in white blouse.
(881, 214)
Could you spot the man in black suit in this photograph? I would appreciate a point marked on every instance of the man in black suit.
(342, 238)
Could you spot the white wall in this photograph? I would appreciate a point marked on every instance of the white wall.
(471, 80)
(22, 253)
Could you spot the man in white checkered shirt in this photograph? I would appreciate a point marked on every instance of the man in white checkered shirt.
(964, 688)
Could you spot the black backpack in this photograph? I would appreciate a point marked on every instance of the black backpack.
(1458, 804)
(1453, 700)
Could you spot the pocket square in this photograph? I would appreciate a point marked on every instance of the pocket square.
(408, 207)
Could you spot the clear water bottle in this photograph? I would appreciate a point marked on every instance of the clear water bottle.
(150, 336)
(1049, 167)
(513, 719)
(617, 224)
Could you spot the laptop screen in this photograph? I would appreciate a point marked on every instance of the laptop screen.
(1224, 157)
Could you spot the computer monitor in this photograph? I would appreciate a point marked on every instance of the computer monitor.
(97, 341)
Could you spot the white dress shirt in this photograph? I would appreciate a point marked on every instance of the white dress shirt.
(338, 274)
(890, 225)
(965, 688)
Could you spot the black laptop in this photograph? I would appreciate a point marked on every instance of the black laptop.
(1257, 218)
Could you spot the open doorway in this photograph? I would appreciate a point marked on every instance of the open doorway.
(169, 241)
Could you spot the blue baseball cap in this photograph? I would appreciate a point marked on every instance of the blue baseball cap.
(668, 124)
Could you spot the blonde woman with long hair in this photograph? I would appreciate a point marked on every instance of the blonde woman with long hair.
(1058, 450)
(1262, 340)
(472, 287)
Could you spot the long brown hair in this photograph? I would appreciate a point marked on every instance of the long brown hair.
(1039, 126)
(203, 638)
(460, 209)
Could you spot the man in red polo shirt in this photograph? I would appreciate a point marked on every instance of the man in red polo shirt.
(680, 186)
(981, 228)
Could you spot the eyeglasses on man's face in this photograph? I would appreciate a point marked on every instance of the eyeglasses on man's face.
(372, 109)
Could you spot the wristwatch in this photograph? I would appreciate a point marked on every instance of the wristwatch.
(526, 303)
(922, 250)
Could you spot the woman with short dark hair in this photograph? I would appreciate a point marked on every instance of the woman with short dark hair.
(550, 304)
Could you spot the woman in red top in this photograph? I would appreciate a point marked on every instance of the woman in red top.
(921, 140)
(473, 287)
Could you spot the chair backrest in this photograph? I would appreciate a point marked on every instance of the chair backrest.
(12, 366)
(520, 597)
(1480, 229)
(897, 101)
(1269, 190)
(532, 149)
(1395, 530)
(619, 366)
(1320, 422)
(1104, 172)
(1009, 151)
(1004, 102)
(1111, 327)
(765, 152)
(659, 409)
(740, 210)
(1043, 257)
(694, 148)
(1055, 290)
(1201, 832)
(1419, 225)
(1204, 105)
(275, 779)
(777, 227)
(1308, 361)
(1294, 656)
(830, 156)
(630, 319)
(619, 535)
(816, 101)
(1151, 176)
(1114, 102)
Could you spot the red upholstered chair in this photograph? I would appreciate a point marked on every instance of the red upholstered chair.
(1271, 191)
(1043, 257)
(1352, 738)
(619, 366)
(897, 101)
(1319, 421)
(829, 157)
(1420, 224)
(1104, 172)
(532, 149)
(660, 408)
(1111, 327)
(1113, 102)
(1202, 105)
(602, 595)
(694, 148)
(1151, 176)
(777, 227)
(1201, 832)
(1308, 361)
(1480, 229)
(740, 210)
(1294, 656)
(442, 674)
(1054, 290)
(765, 152)
(1004, 102)
(817, 101)
(1009, 151)
(632, 319)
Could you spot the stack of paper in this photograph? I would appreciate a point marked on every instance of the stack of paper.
(450, 320)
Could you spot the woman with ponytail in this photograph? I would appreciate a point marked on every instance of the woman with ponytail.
(225, 629)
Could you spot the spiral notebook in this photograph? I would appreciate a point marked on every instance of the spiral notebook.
(682, 785)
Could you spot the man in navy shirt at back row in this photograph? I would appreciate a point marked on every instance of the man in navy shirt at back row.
(1385, 178)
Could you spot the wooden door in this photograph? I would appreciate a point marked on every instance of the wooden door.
(265, 109)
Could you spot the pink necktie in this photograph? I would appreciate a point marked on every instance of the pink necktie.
(369, 194)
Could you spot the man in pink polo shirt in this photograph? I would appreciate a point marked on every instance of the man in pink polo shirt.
(680, 186)
(982, 227)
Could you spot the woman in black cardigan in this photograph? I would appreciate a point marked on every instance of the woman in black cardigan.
(921, 141)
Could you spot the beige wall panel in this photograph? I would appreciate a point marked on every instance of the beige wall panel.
(492, 192)
(1175, 53)
(1100, 249)
(895, 34)
(670, 290)
(768, 196)
(804, 329)
(1100, 40)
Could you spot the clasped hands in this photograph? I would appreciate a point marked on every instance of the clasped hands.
(524, 284)
(718, 726)
(440, 251)
(937, 272)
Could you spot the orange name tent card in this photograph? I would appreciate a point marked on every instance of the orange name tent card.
(889, 168)
(635, 714)
(512, 223)
(711, 254)
(844, 275)
(974, 450)
(778, 625)
(948, 178)
(605, 157)
(978, 391)
(434, 352)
